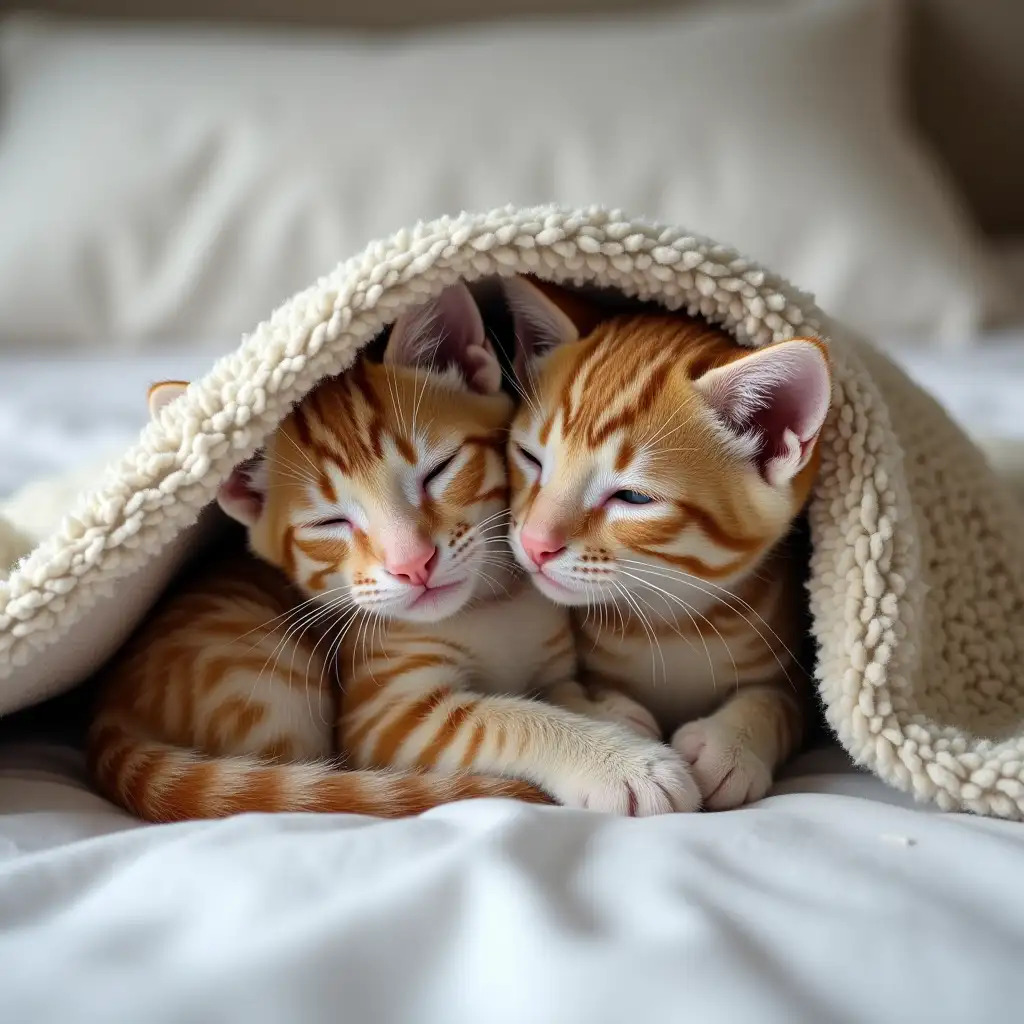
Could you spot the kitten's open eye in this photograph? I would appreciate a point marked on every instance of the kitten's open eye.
(336, 523)
(529, 456)
(632, 497)
(439, 469)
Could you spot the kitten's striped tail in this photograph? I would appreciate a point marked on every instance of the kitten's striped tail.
(159, 782)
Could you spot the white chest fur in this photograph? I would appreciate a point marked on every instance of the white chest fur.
(684, 667)
(506, 638)
(676, 680)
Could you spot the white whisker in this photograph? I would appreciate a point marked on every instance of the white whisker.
(648, 628)
(727, 596)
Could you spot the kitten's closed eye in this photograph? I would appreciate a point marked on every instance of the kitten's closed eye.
(528, 455)
(334, 522)
(439, 469)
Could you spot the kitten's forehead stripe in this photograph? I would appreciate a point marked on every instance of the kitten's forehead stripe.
(405, 448)
(343, 422)
(465, 486)
(619, 377)
(625, 455)
(330, 495)
(298, 419)
(352, 421)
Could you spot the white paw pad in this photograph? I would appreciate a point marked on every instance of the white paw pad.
(727, 771)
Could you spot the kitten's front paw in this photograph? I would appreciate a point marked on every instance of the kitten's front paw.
(612, 706)
(727, 771)
(635, 777)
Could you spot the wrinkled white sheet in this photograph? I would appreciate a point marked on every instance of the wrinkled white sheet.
(982, 386)
(831, 901)
(59, 413)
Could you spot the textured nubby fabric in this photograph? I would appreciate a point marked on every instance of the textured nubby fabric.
(917, 570)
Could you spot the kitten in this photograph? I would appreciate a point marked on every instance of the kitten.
(377, 512)
(656, 469)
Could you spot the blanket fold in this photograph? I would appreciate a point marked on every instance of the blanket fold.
(917, 569)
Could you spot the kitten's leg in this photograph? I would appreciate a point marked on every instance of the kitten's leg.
(736, 751)
(606, 705)
(416, 714)
(598, 699)
(272, 698)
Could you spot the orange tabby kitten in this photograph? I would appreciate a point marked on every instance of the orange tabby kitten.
(377, 511)
(656, 470)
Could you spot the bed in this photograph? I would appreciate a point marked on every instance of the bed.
(500, 912)
(795, 909)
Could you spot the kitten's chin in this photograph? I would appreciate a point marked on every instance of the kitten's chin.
(559, 592)
(435, 603)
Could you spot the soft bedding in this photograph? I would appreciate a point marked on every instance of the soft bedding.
(832, 900)
(981, 385)
(59, 413)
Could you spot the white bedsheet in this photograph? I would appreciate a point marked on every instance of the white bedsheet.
(982, 387)
(59, 413)
(833, 900)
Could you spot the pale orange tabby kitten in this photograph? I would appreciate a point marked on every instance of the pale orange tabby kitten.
(377, 511)
(656, 470)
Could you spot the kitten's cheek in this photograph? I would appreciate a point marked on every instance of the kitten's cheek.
(557, 592)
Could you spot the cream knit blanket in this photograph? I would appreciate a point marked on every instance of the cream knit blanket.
(917, 572)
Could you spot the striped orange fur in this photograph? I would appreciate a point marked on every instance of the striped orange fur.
(657, 469)
(377, 514)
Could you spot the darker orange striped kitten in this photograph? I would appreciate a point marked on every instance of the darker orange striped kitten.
(378, 514)
(657, 468)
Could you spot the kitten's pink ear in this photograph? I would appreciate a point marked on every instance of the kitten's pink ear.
(447, 331)
(163, 393)
(775, 400)
(243, 495)
(540, 323)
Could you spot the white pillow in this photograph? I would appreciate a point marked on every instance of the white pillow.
(171, 184)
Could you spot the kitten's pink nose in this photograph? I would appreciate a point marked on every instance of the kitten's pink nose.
(541, 545)
(413, 565)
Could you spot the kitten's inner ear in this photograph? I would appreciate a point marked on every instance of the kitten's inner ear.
(243, 495)
(775, 400)
(444, 332)
(540, 317)
(163, 393)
